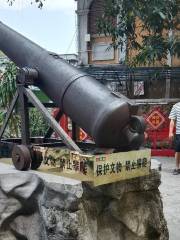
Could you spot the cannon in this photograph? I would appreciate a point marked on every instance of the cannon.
(105, 116)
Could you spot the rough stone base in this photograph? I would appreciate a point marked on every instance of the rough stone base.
(33, 209)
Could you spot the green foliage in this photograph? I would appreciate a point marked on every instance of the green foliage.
(38, 2)
(1, 118)
(38, 126)
(156, 17)
(7, 84)
(7, 91)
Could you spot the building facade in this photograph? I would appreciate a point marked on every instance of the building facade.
(92, 46)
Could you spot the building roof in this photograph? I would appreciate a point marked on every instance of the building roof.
(123, 73)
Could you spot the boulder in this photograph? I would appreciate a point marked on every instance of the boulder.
(32, 208)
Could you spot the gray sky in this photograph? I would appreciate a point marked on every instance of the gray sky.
(53, 27)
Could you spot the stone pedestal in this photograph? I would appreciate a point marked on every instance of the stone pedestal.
(32, 208)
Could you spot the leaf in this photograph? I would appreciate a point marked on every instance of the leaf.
(162, 15)
(155, 18)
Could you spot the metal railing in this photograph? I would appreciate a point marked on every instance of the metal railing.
(144, 83)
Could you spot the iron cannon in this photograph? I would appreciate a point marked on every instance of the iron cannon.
(105, 116)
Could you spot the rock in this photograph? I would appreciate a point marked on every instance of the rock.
(36, 209)
(140, 213)
(20, 197)
(7, 235)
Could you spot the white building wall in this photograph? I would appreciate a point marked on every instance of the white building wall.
(82, 15)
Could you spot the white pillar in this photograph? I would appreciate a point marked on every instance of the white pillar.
(82, 14)
(82, 31)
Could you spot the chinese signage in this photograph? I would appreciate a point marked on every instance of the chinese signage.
(120, 166)
(99, 169)
(155, 119)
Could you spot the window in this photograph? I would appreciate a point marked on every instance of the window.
(101, 51)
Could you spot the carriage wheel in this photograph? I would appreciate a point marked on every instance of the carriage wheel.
(21, 157)
(37, 159)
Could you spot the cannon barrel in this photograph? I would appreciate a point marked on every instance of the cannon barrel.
(87, 102)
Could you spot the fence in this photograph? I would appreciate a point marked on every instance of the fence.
(139, 83)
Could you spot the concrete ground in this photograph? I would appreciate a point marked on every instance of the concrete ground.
(170, 190)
